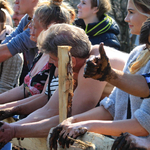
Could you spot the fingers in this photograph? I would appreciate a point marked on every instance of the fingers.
(102, 51)
(65, 138)
(5, 114)
(104, 58)
(62, 140)
(79, 131)
(54, 136)
(116, 142)
(91, 67)
(122, 142)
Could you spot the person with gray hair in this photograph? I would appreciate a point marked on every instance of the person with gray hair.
(86, 92)
(120, 112)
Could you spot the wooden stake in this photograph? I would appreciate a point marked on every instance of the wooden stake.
(65, 80)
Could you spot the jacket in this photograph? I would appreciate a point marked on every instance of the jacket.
(19, 41)
(10, 69)
(106, 31)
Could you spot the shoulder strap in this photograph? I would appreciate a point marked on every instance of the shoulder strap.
(51, 74)
(129, 109)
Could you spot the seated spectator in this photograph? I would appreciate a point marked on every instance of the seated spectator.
(19, 40)
(98, 25)
(125, 140)
(120, 112)
(16, 16)
(10, 69)
(8, 12)
(41, 22)
(86, 93)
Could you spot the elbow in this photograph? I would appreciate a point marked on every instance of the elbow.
(145, 93)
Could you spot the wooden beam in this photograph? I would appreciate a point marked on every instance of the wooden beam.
(65, 80)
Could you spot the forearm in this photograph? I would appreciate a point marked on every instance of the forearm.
(133, 84)
(98, 113)
(12, 95)
(37, 129)
(4, 52)
(31, 105)
(39, 114)
(19, 102)
(115, 128)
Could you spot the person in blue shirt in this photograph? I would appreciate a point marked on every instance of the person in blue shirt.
(19, 40)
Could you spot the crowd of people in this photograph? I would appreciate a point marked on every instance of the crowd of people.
(111, 94)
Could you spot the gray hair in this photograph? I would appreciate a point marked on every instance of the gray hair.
(65, 35)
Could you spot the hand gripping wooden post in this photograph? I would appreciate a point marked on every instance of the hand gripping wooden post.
(96, 141)
(65, 73)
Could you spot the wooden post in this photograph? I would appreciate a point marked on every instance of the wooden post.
(65, 80)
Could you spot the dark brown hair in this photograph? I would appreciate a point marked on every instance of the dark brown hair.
(145, 32)
(104, 6)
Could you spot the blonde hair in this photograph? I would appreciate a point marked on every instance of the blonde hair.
(55, 11)
(144, 56)
(141, 60)
(144, 5)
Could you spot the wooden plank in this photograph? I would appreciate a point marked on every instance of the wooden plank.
(65, 80)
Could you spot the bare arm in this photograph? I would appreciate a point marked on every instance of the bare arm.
(87, 94)
(12, 95)
(28, 105)
(41, 128)
(35, 129)
(113, 128)
(132, 84)
(100, 69)
(49, 110)
(4, 52)
(82, 101)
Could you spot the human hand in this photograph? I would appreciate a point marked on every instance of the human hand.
(129, 142)
(64, 132)
(98, 68)
(69, 133)
(55, 133)
(6, 133)
(6, 113)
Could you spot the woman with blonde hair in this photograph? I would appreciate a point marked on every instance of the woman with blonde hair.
(120, 112)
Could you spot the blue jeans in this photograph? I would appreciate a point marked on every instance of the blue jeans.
(8, 146)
